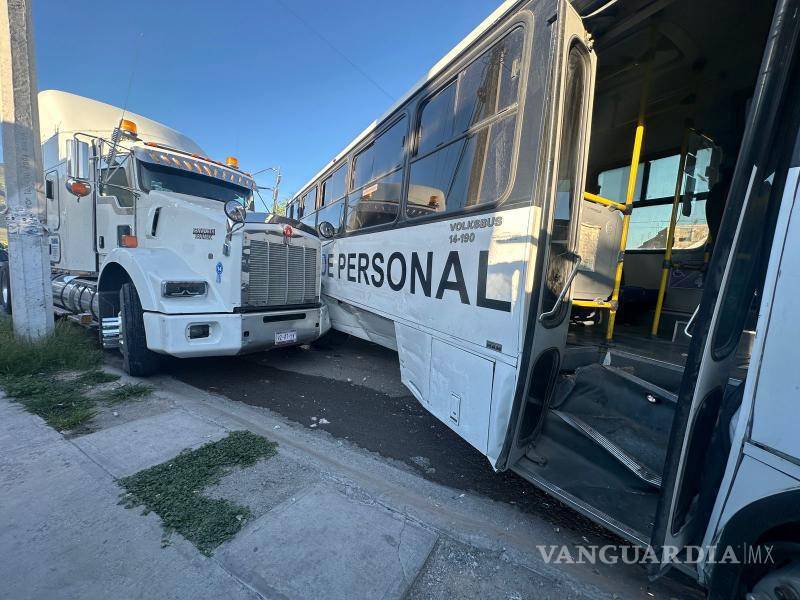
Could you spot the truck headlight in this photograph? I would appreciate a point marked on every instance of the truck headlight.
(183, 289)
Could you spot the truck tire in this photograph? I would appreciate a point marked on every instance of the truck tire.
(137, 359)
(5, 289)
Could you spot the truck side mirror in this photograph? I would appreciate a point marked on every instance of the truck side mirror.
(77, 159)
(235, 211)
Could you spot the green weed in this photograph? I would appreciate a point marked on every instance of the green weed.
(91, 378)
(129, 391)
(29, 374)
(173, 490)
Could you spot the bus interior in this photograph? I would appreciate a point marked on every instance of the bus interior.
(684, 73)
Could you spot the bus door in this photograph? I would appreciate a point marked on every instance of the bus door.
(700, 446)
(557, 261)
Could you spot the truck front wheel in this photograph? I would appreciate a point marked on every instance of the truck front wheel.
(5, 289)
(137, 359)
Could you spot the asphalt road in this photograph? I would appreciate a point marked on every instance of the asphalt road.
(356, 388)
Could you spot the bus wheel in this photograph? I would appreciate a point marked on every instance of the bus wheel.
(5, 289)
(780, 584)
(137, 359)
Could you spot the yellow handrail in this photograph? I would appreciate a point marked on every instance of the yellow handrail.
(626, 219)
(604, 201)
(592, 303)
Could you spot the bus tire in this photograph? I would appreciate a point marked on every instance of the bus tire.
(5, 289)
(137, 359)
(779, 584)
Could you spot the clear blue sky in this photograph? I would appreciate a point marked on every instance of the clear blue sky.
(248, 78)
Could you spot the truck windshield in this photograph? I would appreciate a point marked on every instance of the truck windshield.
(166, 179)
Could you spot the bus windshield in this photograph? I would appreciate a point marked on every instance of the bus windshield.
(161, 178)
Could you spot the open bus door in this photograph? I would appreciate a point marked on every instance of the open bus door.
(557, 259)
(699, 444)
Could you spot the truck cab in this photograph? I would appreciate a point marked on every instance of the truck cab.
(162, 247)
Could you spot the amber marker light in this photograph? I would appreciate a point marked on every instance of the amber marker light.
(129, 241)
(79, 188)
(128, 127)
(232, 162)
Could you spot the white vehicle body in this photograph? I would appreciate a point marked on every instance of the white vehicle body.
(152, 217)
(466, 266)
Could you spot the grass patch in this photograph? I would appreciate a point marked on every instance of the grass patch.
(62, 404)
(173, 490)
(96, 378)
(67, 349)
(129, 391)
(29, 374)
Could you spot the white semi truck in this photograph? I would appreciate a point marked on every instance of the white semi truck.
(161, 246)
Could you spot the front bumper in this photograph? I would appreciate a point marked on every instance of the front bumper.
(230, 334)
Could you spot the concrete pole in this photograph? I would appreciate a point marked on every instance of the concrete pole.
(29, 260)
(275, 191)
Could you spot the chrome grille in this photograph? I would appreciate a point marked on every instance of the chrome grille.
(259, 267)
(295, 286)
(276, 274)
(311, 274)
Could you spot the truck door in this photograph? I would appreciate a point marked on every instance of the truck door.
(694, 465)
(115, 203)
(555, 271)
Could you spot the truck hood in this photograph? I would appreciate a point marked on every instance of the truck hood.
(204, 213)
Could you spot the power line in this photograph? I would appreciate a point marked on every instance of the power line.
(334, 48)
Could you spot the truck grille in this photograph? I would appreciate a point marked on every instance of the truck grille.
(275, 274)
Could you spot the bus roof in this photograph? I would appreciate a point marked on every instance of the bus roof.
(485, 25)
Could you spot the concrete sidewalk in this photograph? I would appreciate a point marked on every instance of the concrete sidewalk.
(327, 519)
(68, 537)
(64, 536)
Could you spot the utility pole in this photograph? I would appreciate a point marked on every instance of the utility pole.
(29, 260)
(275, 191)
(277, 171)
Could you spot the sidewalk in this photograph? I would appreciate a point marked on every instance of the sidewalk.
(328, 519)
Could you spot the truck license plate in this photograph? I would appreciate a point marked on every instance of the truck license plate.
(286, 337)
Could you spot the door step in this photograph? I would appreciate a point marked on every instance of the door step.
(665, 375)
(109, 332)
(646, 386)
(640, 470)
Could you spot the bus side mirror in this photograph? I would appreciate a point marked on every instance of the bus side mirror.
(326, 230)
(77, 159)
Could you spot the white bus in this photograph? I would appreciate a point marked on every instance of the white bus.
(476, 228)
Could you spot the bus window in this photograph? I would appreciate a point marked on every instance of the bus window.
(376, 203)
(436, 120)
(463, 156)
(333, 187)
(649, 224)
(652, 207)
(560, 259)
(384, 155)
(333, 214)
(480, 83)
(377, 196)
(310, 220)
(309, 202)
